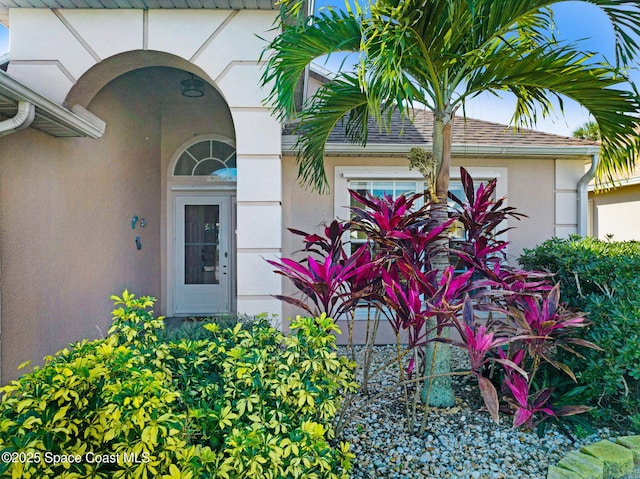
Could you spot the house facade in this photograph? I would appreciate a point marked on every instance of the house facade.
(136, 152)
(613, 211)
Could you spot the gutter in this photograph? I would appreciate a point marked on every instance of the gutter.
(4, 61)
(583, 198)
(618, 183)
(85, 125)
(289, 141)
(22, 119)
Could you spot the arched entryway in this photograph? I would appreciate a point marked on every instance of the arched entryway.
(72, 201)
(177, 157)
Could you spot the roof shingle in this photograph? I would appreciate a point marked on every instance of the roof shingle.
(466, 131)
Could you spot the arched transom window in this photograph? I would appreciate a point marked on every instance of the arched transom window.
(208, 158)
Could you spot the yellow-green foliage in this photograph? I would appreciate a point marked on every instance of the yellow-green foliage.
(241, 404)
(269, 399)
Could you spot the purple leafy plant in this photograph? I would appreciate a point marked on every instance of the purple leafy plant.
(481, 216)
(526, 406)
(530, 409)
(393, 272)
(326, 277)
(479, 342)
(545, 324)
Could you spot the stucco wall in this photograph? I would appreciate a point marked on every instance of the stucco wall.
(86, 192)
(616, 212)
(65, 227)
(52, 50)
(66, 237)
(531, 188)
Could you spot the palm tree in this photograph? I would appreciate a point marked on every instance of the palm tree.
(587, 131)
(436, 54)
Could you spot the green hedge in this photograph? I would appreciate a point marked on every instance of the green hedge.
(601, 278)
(238, 404)
(193, 328)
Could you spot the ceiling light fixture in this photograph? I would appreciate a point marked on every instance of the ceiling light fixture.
(192, 87)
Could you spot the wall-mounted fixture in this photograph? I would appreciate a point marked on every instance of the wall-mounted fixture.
(143, 222)
(192, 87)
(134, 220)
(138, 243)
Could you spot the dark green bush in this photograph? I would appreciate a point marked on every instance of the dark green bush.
(240, 403)
(192, 328)
(586, 266)
(601, 278)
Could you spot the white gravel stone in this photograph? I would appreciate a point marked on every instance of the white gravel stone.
(459, 442)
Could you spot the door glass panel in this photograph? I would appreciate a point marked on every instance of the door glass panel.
(202, 244)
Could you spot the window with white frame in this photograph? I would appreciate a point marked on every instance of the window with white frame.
(380, 188)
(396, 181)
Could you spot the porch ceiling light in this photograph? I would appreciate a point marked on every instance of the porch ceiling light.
(192, 87)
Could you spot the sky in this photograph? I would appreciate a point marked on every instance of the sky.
(575, 20)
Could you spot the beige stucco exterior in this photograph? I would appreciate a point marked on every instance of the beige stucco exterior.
(56, 49)
(66, 205)
(616, 212)
(66, 241)
(65, 228)
(531, 188)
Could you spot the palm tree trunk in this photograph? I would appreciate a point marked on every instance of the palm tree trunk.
(438, 391)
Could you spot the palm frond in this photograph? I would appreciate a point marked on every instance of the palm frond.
(617, 161)
(439, 53)
(297, 46)
(342, 99)
(624, 16)
(538, 77)
(292, 11)
(388, 67)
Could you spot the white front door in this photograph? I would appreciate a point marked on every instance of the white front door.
(202, 254)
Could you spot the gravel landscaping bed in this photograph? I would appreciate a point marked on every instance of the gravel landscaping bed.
(459, 442)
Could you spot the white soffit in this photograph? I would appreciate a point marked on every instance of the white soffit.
(5, 5)
(143, 4)
(289, 141)
(50, 117)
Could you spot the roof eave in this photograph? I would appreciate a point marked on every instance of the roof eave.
(377, 149)
(607, 186)
(79, 122)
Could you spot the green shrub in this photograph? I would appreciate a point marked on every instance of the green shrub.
(239, 404)
(601, 278)
(613, 375)
(265, 401)
(586, 266)
(192, 328)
